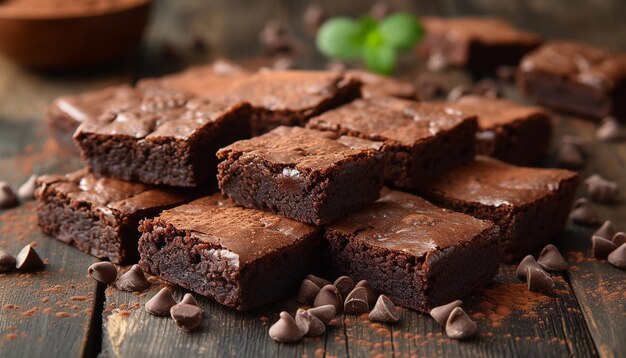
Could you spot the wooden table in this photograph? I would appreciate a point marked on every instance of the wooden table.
(61, 313)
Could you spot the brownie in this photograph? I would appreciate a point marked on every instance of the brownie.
(419, 255)
(576, 78)
(420, 140)
(376, 85)
(241, 258)
(476, 43)
(508, 131)
(99, 216)
(300, 173)
(168, 138)
(290, 98)
(530, 205)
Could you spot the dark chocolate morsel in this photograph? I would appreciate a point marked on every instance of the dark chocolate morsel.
(310, 325)
(441, 313)
(619, 238)
(104, 272)
(189, 299)
(606, 231)
(609, 130)
(8, 199)
(570, 156)
(384, 311)
(357, 302)
(324, 313)
(161, 303)
(584, 213)
(617, 258)
(133, 280)
(28, 260)
(7, 262)
(27, 190)
(522, 268)
(539, 280)
(601, 190)
(458, 92)
(551, 259)
(371, 296)
(286, 329)
(187, 317)
(601, 247)
(459, 325)
(329, 295)
(344, 285)
(308, 291)
(320, 282)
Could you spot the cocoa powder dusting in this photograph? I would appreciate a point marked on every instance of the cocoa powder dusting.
(504, 299)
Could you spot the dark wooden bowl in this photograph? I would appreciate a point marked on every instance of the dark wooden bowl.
(71, 37)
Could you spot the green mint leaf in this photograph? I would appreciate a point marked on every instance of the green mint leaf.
(341, 38)
(401, 30)
(380, 59)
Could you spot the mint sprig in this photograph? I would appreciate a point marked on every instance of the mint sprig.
(376, 43)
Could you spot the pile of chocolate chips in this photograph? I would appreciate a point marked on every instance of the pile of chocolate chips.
(534, 271)
(27, 260)
(608, 243)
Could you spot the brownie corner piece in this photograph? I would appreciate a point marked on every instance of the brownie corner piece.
(303, 174)
(419, 255)
(241, 258)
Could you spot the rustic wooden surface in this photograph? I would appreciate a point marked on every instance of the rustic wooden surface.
(61, 313)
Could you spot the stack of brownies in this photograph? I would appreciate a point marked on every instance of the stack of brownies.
(301, 159)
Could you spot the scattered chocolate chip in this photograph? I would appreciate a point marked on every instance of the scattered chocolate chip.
(429, 88)
(344, 285)
(308, 291)
(133, 280)
(539, 280)
(384, 311)
(507, 73)
(441, 313)
(28, 260)
(619, 238)
(487, 87)
(104, 272)
(609, 130)
(570, 156)
(371, 296)
(606, 231)
(584, 213)
(189, 299)
(522, 268)
(601, 190)
(380, 10)
(329, 295)
(27, 190)
(310, 325)
(7, 262)
(8, 199)
(551, 259)
(601, 247)
(314, 16)
(320, 282)
(357, 302)
(458, 92)
(324, 313)
(161, 303)
(285, 329)
(187, 317)
(617, 258)
(459, 325)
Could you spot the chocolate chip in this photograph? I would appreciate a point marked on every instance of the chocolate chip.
(357, 302)
(8, 199)
(601, 190)
(161, 303)
(487, 88)
(133, 280)
(7, 262)
(539, 280)
(285, 329)
(344, 285)
(441, 313)
(606, 231)
(308, 291)
(551, 259)
(522, 268)
(584, 213)
(324, 313)
(275, 39)
(458, 92)
(429, 88)
(329, 295)
(601, 247)
(28, 260)
(27, 190)
(609, 130)
(380, 10)
(570, 156)
(314, 16)
(619, 238)
(436, 62)
(104, 272)
(310, 325)
(189, 299)
(320, 282)
(617, 258)
(371, 296)
(459, 325)
(507, 73)
(187, 317)
(384, 311)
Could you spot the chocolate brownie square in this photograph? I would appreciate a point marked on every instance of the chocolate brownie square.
(99, 216)
(376, 86)
(420, 140)
(576, 78)
(290, 98)
(419, 255)
(300, 173)
(508, 131)
(476, 43)
(169, 138)
(530, 205)
(241, 258)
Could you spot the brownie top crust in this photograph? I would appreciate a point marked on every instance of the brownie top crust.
(494, 112)
(404, 222)
(494, 183)
(301, 91)
(106, 194)
(298, 149)
(375, 85)
(243, 235)
(578, 62)
(484, 30)
(390, 119)
(161, 113)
